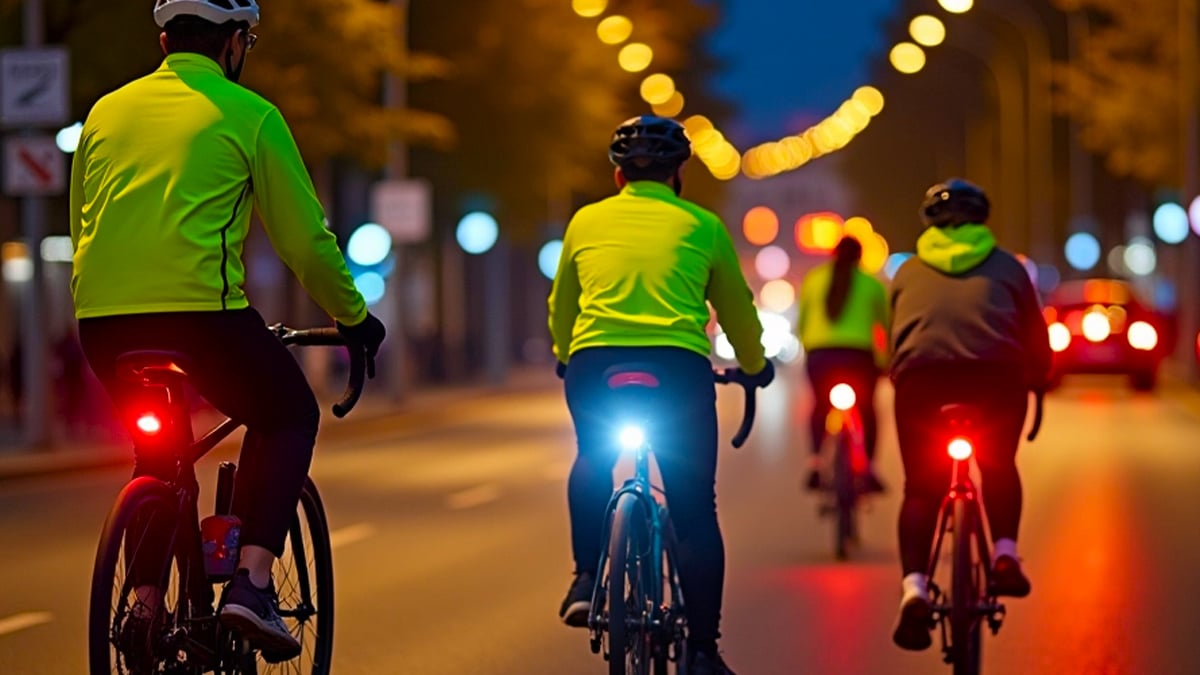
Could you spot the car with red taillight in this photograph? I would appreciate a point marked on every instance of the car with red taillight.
(1103, 326)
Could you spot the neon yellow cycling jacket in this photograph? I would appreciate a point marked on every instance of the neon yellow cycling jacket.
(636, 271)
(866, 309)
(163, 182)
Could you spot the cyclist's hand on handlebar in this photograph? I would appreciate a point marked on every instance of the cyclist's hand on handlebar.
(560, 369)
(366, 335)
(763, 377)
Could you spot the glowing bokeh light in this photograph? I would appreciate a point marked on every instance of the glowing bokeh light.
(870, 97)
(907, 58)
(927, 30)
(1142, 336)
(614, 30)
(548, 258)
(1060, 336)
(369, 245)
(372, 286)
(777, 295)
(760, 226)
(1171, 223)
(1082, 251)
(894, 262)
(1140, 258)
(477, 232)
(672, 107)
(589, 8)
(957, 6)
(772, 263)
(635, 57)
(657, 89)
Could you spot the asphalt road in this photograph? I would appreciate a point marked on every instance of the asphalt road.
(451, 549)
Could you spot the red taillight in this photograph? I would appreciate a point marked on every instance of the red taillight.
(149, 424)
(960, 449)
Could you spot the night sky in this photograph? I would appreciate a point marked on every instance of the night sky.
(792, 62)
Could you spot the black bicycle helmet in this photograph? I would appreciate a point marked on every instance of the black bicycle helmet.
(954, 202)
(661, 140)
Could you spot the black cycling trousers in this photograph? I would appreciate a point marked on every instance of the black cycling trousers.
(1001, 395)
(680, 421)
(243, 370)
(855, 367)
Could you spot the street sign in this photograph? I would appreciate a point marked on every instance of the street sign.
(33, 165)
(34, 87)
(404, 208)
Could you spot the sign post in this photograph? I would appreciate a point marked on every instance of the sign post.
(33, 94)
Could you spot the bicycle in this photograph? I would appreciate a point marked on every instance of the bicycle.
(643, 628)
(844, 432)
(960, 615)
(181, 634)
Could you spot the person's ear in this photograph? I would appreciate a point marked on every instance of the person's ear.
(162, 41)
(619, 178)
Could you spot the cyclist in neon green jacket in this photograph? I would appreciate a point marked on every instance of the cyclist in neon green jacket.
(167, 172)
(842, 309)
(636, 273)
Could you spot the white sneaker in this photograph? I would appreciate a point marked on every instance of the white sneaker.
(915, 622)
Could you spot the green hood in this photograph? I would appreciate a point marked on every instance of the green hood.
(955, 250)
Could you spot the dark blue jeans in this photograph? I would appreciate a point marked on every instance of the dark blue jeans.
(680, 415)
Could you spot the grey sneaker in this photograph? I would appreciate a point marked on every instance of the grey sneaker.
(251, 611)
(578, 603)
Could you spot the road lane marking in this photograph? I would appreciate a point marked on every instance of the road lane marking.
(472, 497)
(20, 622)
(350, 534)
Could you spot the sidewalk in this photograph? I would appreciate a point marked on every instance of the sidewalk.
(21, 462)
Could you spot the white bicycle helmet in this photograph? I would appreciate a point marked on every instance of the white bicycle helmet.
(216, 11)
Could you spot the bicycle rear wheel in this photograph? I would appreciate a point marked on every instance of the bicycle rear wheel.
(628, 607)
(845, 498)
(671, 642)
(304, 581)
(965, 592)
(136, 595)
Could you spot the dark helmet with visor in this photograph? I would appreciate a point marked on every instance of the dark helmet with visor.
(954, 202)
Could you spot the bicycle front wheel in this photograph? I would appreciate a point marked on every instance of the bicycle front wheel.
(965, 592)
(304, 580)
(628, 606)
(136, 590)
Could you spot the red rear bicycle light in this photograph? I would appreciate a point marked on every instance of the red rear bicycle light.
(149, 424)
(960, 449)
(842, 397)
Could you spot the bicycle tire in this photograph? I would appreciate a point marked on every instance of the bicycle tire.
(845, 498)
(107, 603)
(965, 592)
(307, 611)
(628, 649)
(673, 637)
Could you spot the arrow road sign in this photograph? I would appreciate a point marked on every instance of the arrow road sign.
(33, 87)
(33, 165)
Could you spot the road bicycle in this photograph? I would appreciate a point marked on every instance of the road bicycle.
(960, 614)
(152, 539)
(637, 605)
(846, 447)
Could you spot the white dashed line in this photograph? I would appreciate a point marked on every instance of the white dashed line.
(476, 496)
(349, 535)
(20, 622)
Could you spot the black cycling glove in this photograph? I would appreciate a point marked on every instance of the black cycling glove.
(366, 335)
(560, 369)
(763, 377)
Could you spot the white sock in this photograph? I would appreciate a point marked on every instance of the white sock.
(1006, 547)
(915, 585)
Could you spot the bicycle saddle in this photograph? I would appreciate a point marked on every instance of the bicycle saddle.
(960, 414)
(153, 365)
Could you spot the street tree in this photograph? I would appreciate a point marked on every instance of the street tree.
(321, 61)
(1124, 87)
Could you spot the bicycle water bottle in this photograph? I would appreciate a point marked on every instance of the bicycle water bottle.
(220, 533)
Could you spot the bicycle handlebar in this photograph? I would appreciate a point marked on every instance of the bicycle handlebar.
(736, 376)
(330, 337)
(1037, 415)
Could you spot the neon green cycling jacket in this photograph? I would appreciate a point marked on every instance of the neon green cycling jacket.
(163, 183)
(866, 309)
(638, 269)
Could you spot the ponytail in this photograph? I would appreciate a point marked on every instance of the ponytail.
(846, 256)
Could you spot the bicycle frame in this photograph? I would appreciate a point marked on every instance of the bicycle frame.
(655, 514)
(962, 489)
